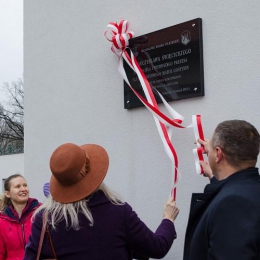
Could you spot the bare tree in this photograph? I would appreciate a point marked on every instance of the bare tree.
(12, 119)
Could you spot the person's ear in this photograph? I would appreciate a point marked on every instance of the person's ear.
(219, 154)
(7, 194)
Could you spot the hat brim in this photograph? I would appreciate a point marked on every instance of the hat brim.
(99, 162)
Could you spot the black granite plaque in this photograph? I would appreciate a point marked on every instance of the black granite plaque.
(172, 60)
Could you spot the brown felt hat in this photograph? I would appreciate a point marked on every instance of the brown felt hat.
(77, 171)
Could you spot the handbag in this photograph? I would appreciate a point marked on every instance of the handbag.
(45, 230)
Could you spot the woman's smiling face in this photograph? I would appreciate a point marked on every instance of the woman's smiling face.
(19, 191)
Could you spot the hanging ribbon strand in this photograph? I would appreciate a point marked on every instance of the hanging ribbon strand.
(119, 35)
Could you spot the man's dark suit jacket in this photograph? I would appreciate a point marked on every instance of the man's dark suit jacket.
(224, 221)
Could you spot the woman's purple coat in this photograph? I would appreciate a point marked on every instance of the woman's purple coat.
(117, 231)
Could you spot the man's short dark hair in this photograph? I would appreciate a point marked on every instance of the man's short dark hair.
(239, 140)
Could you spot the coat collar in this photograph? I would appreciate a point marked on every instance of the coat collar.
(249, 173)
(30, 206)
(97, 198)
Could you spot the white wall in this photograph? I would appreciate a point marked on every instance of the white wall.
(10, 164)
(74, 93)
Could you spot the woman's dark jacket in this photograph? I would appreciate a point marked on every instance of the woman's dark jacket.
(117, 231)
(224, 222)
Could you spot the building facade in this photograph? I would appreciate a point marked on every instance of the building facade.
(74, 93)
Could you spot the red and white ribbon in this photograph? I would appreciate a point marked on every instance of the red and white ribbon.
(119, 35)
(198, 153)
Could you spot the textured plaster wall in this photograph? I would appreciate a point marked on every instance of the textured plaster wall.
(74, 93)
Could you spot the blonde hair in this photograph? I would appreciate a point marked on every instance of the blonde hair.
(70, 211)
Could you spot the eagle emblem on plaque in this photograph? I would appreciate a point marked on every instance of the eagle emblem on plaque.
(185, 37)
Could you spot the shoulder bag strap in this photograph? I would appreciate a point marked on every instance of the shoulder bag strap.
(44, 221)
(50, 242)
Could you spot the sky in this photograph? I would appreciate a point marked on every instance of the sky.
(11, 42)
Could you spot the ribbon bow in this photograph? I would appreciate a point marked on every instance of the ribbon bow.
(119, 36)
